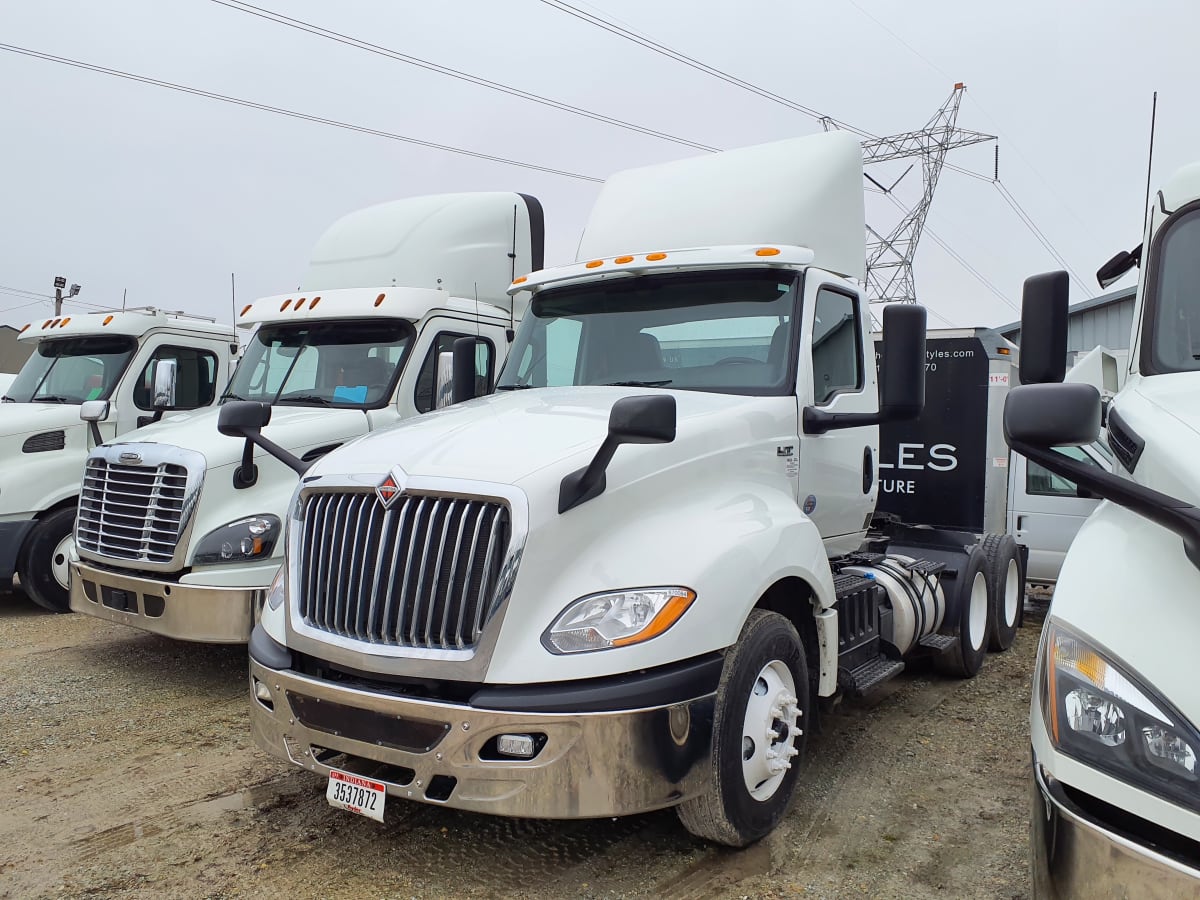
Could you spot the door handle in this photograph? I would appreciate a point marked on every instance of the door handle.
(1020, 523)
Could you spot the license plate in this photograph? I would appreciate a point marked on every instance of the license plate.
(356, 794)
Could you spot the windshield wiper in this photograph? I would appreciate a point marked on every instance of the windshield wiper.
(53, 398)
(8, 399)
(304, 398)
(638, 383)
(230, 395)
(513, 387)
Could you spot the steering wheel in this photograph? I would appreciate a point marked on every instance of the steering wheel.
(736, 359)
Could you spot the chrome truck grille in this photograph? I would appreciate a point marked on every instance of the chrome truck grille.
(422, 572)
(135, 502)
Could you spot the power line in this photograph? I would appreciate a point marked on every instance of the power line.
(1037, 233)
(278, 110)
(20, 305)
(396, 55)
(8, 289)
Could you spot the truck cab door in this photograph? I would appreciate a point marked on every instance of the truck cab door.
(1046, 511)
(415, 389)
(837, 480)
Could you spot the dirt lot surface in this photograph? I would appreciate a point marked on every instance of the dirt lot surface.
(127, 770)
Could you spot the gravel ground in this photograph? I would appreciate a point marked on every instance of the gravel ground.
(127, 770)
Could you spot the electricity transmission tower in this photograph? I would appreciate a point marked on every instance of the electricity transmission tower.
(890, 256)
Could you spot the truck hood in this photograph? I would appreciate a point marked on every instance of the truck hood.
(1164, 411)
(298, 428)
(32, 418)
(507, 437)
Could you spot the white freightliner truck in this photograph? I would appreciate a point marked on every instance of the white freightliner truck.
(179, 528)
(1116, 699)
(124, 369)
(622, 581)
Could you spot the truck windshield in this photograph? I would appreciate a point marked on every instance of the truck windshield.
(342, 364)
(724, 333)
(72, 370)
(1174, 302)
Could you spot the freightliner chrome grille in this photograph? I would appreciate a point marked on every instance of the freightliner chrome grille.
(131, 512)
(421, 573)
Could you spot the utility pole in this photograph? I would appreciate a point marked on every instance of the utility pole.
(59, 283)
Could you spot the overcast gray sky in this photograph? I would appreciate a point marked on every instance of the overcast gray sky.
(119, 185)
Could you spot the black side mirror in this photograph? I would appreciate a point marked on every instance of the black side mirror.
(902, 368)
(1044, 328)
(1122, 262)
(1052, 415)
(246, 419)
(646, 419)
(464, 378)
(901, 375)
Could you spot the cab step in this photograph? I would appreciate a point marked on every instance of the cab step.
(874, 673)
(939, 643)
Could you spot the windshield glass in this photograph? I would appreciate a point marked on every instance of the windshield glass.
(343, 364)
(726, 333)
(72, 370)
(1175, 301)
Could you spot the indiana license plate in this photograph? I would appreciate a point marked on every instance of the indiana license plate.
(356, 794)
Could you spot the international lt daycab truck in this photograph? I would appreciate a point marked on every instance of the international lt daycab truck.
(124, 369)
(180, 528)
(1116, 697)
(621, 581)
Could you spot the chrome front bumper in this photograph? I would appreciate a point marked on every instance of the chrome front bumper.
(214, 615)
(1074, 855)
(590, 764)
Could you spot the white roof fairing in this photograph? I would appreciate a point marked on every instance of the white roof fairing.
(802, 192)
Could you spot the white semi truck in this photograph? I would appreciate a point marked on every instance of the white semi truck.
(180, 527)
(622, 581)
(1116, 703)
(127, 369)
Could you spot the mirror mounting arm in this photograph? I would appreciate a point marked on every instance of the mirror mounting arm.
(1160, 508)
(246, 475)
(291, 461)
(818, 421)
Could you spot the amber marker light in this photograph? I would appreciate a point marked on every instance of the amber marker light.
(315, 301)
(246, 308)
(621, 260)
(766, 251)
(46, 324)
(299, 303)
(285, 304)
(667, 616)
(594, 264)
(107, 319)
(655, 257)
(379, 299)
(521, 280)
(26, 328)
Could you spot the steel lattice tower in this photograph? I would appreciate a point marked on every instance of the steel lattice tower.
(890, 258)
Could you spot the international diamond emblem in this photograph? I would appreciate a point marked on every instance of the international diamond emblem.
(387, 491)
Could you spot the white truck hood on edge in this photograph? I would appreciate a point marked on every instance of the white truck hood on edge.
(33, 418)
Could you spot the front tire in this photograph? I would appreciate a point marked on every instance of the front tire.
(43, 568)
(759, 732)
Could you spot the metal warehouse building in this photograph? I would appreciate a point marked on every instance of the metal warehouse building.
(1104, 321)
(12, 354)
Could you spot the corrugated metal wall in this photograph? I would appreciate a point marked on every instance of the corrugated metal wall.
(1106, 326)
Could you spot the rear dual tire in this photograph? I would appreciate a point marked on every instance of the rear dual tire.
(972, 600)
(1006, 581)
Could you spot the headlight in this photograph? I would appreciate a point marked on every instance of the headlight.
(275, 592)
(1098, 712)
(251, 538)
(616, 619)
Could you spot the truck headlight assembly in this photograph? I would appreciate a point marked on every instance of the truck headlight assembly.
(616, 619)
(250, 538)
(1098, 712)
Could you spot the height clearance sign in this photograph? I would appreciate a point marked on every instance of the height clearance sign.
(933, 470)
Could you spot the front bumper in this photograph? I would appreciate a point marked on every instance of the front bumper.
(214, 615)
(12, 539)
(590, 764)
(1074, 855)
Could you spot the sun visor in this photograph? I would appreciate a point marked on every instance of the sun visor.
(805, 192)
